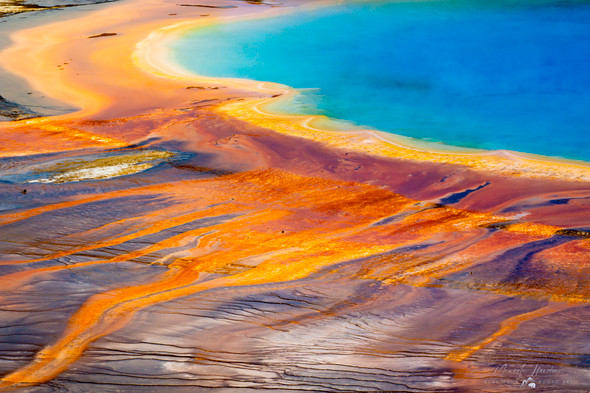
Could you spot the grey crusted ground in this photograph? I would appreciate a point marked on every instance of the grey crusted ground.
(17, 6)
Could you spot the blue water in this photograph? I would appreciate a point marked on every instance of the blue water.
(485, 74)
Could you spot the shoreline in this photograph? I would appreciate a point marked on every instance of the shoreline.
(153, 56)
(241, 100)
(156, 224)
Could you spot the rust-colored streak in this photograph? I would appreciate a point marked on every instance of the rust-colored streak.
(244, 206)
(285, 230)
(158, 226)
(38, 136)
(100, 315)
(508, 326)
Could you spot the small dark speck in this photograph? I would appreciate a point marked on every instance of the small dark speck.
(102, 35)
(24, 191)
(563, 201)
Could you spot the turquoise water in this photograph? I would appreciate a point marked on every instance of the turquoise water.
(485, 74)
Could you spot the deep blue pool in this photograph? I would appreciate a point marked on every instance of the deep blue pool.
(486, 74)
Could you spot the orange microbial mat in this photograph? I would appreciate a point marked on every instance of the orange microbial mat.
(169, 235)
